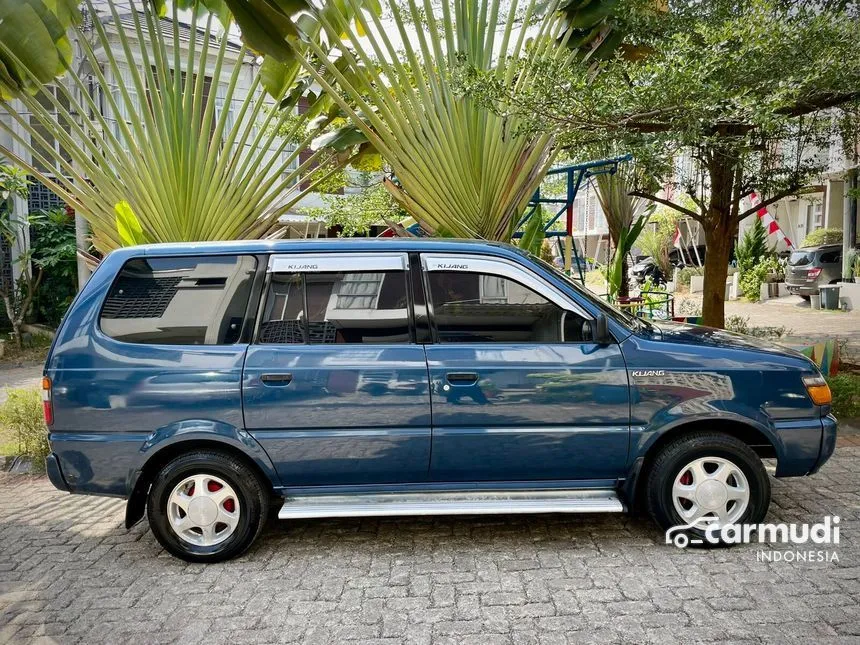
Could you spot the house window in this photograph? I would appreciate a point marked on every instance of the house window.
(814, 216)
(291, 167)
(52, 147)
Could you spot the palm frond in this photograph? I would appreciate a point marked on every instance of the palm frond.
(461, 168)
(167, 154)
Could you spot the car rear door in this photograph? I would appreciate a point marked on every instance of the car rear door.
(519, 390)
(335, 387)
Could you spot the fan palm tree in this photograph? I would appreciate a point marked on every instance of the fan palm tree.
(176, 164)
(460, 167)
(625, 218)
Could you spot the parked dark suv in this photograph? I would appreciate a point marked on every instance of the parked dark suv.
(202, 382)
(812, 267)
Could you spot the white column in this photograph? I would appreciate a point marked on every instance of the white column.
(834, 199)
(19, 214)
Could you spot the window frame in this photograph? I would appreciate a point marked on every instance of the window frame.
(500, 267)
(359, 262)
(248, 321)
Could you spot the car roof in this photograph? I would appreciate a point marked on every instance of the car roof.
(831, 245)
(328, 245)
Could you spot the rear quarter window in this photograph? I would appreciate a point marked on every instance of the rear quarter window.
(179, 301)
(831, 257)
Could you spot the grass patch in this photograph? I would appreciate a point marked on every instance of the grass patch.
(35, 350)
(7, 446)
(846, 394)
(22, 425)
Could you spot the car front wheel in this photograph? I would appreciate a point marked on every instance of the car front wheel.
(206, 506)
(707, 478)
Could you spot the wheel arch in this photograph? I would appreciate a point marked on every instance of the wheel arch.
(748, 432)
(237, 444)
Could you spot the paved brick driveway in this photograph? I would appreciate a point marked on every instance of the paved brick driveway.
(70, 573)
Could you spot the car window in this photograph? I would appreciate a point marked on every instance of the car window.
(800, 258)
(179, 301)
(831, 257)
(621, 317)
(336, 308)
(481, 307)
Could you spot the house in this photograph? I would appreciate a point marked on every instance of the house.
(41, 197)
(832, 205)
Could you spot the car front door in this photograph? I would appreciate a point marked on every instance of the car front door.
(335, 389)
(519, 389)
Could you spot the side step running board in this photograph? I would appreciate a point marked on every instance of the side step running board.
(452, 503)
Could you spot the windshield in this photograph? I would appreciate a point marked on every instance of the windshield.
(621, 316)
(800, 258)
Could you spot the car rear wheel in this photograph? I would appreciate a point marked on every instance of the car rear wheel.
(707, 478)
(206, 506)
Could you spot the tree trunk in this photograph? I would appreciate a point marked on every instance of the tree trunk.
(719, 249)
(13, 320)
(624, 289)
(721, 228)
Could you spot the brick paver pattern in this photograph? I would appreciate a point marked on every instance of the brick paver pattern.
(71, 573)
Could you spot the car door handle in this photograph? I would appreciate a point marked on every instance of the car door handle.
(462, 378)
(276, 379)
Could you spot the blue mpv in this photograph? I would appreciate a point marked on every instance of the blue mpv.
(211, 384)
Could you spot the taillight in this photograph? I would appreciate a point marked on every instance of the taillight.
(47, 403)
(812, 274)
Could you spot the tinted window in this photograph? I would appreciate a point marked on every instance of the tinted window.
(479, 307)
(179, 301)
(831, 257)
(330, 308)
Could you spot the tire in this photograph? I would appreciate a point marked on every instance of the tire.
(672, 463)
(234, 493)
(807, 298)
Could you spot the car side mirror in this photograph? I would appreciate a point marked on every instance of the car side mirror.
(600, 330)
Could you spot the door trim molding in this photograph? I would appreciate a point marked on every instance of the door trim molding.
(337, 262)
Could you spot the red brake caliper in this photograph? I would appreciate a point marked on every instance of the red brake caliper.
(229, 503)
(687, 478)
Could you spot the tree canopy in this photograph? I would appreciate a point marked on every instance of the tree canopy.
(725, 98)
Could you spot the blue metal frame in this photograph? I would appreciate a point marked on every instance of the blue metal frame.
(576, 174)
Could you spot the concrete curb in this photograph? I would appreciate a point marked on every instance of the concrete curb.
(15, 465)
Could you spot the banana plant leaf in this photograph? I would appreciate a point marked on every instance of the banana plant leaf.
(533, 233)
(35, 44)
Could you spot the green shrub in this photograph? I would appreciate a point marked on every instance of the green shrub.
(753, 247)
(753, 277)
(854, 262)
(771, 333)
(690, 308)
(846, 394)
(823, 236)
(738, 324)
(21, 419)
(53, 245)
(686, 273)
